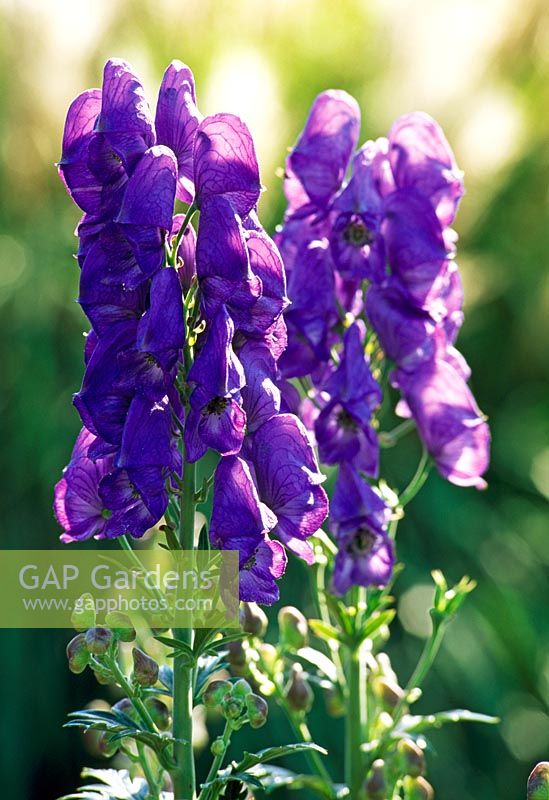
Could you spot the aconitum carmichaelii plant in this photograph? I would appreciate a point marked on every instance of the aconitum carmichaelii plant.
(209, 342)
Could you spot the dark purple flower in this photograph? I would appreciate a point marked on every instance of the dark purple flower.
(343, 428)
(225, 162)
(177, 118)
(216, 418)
(449, 421)
(78, 507)
(358, 519)
(137, 500)
(422, 159)
(266, 264)
(241, 522)
(260, 395)
(288, 481)
(317, 165)
(83, 187)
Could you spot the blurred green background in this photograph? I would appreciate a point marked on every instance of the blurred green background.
(482, 68)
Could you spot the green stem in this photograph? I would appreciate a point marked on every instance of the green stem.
(420, 476)
(154, 791)
(392, 437)
(206, 793)
(138, 704)
(181, 233)
(355, 722)
(184, 774)
(301, 730)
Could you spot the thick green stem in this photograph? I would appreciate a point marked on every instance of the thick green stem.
(184, 774)
(355, 721)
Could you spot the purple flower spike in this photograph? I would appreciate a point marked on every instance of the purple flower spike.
(288, 481)
(449, 421)
(241, 522)
(416, 251)
(321, 156)
(125, 117)
(359, 519)
(81, 184)
(78, 507)
(216, 418)
(422, 159)
(225, 162)
(177, 118)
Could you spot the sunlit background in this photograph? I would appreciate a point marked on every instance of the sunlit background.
(481, 67)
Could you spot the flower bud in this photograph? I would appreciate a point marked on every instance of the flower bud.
(293, 628)
(107, 748)
(387, 692)
(297, 692)
(215, 692)
(145, 668)
(253, 619)
(126, 707)
(218, 747)
(159, 712)
(257, 710)
(236, 654)
(121, 626)
(83, 617)
(78, 654)
(375, 787)
(538, 782)
(417, 789)
(268, 655)
(102, 678)
(411, 758)
(232, 707)
(98, 640)
(241, 689)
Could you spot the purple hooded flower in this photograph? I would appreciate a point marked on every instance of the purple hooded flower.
(288, 481)
(81, 184)
(422, 159)
(138, 499)
(260, 395)
(317, 165)
(449, 421)
(78, 507)
(225, 162)
(240, 521)
(216, 418)
(343, 428)
(177, 118)
(358, 519)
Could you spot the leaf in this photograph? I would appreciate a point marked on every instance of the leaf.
(179, 648)
(273, 778)
(375, 623)
(220, 644)
(270, 753)
(113, 785)
(165, 676)
(320, 661)
(324, 631)
(207, 666)
(417, 723)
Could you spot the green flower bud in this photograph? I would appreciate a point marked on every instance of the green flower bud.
(98, 640)
(159, 712)
(121, 626)
(417, 789)
(538, 782)
(268, 655)
(232, 707)
(125, 706)
(411, 758)
(387, 692)
(253, 619)
(297, 692)
(215, 692)
(83, 617)
(78, 654)
(107, 748)
(241, 689)
(145, 668)
(293, 627)
(102, 678)
(218, 746)
(375, 787)
(257, 710)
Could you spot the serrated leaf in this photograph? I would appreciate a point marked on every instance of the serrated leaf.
(271, 753)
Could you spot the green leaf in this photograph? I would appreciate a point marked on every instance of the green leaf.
(377, 622)
(179, 648)
(319, 660)
(113, 785)
(273, 778)
(220, 644)
(418, 724)
(324, 631)
(270, 753)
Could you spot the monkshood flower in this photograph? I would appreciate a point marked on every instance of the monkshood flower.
(240, 521)
(343, 429)
(358, 520)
